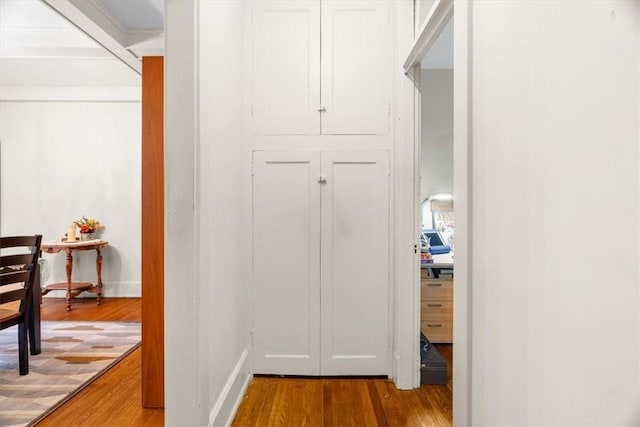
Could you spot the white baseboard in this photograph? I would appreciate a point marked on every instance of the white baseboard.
(232, 393)
(109, 290)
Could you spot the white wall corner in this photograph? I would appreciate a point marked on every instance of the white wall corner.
(230, 397)
(184, 401)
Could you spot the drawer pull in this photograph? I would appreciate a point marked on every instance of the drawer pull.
(434, 285)
(434, 325)
(434, 305)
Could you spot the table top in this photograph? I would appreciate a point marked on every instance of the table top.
(440, 261)
(78, 244)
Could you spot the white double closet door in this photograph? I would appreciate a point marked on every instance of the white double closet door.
(320, 263)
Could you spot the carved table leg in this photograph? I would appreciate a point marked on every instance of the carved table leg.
(69, 270)
(99, 274)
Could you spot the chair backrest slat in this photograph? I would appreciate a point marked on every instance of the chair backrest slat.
(14, 295)
(13, 277)
(16, 260)
(18, 266)
(19, 241)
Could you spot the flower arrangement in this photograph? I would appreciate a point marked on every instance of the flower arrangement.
(88, 225)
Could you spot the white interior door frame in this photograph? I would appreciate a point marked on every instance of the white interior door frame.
(440, 14)
(437, 18)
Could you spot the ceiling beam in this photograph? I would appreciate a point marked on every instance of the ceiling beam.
(92, 21)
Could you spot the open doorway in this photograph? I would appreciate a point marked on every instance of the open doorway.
(437, 15)
(436, 210)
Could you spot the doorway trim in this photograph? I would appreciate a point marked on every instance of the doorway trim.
(437, 18)
(440, 14)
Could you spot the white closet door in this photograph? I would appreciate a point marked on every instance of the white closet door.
(285, 67)
(355, 263)
(356, 67)
(286, 263)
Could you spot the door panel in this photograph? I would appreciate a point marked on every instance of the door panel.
(356, 67)
(355, 263)
(285, 67)
(286, 263)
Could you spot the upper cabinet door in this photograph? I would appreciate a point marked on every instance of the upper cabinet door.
(285, 68)
(356, 67)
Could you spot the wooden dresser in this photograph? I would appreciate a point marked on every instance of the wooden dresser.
(436, 308)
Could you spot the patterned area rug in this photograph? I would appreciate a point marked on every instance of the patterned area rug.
(73, 355)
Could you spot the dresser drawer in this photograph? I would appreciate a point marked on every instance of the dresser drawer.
(437, 331)
(436, 289)
(436, 309)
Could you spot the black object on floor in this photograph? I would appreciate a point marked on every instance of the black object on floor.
(433, 367)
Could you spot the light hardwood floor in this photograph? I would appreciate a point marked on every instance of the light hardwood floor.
(357, 402)
(353, 402)
(114, 399)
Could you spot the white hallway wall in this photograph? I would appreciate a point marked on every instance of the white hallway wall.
(224, 260)
(207, 310)
(555, 299)
(61, 160)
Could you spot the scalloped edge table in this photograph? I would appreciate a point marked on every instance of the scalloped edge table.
(75, 288)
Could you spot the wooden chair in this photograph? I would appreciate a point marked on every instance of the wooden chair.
(18, 266)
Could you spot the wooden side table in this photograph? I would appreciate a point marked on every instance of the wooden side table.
(75, 288)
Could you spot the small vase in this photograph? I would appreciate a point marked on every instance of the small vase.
(86, 236)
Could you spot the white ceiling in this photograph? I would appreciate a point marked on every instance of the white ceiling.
(136, 15)
(77, 43)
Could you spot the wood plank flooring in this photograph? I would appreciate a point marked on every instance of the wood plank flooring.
(114, 399)
(111, 309)
(357, 402)
(354, 402)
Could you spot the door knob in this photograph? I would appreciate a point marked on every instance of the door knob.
(322, 180)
